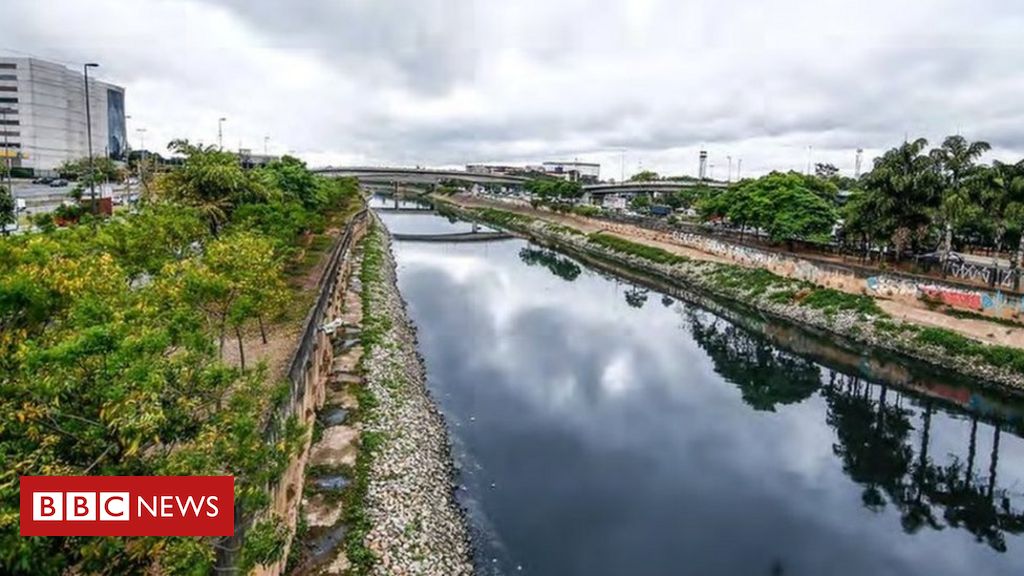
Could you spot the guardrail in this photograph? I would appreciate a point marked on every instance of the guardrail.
(301, 360)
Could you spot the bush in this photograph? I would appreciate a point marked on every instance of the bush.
(957, 344)
(831, 301)
(640, 250)
(587, 210)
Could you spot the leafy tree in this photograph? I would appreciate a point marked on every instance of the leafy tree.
(1003, 202)
(787, 206)
(644, 176)
(958, 172)
(905, 186)
(212, 181)
(825, 171)
(640, 203)
(103, 169)
(293, 180)
(8, 213)
(549, 189)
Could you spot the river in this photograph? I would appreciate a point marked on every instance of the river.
(603, 428)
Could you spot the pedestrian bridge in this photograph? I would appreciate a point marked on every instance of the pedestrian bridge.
(650, 187)
(453, 237)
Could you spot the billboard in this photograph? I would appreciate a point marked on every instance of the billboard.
(117, 139)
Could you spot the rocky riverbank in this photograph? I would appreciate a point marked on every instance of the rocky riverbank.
(854, 318)
(410, 521)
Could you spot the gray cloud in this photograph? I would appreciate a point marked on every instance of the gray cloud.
(450, 81)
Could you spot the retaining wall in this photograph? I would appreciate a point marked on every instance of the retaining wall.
(869, 281)
(308, 371)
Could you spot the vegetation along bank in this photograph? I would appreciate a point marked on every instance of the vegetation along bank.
(855, 317)
(407, 520)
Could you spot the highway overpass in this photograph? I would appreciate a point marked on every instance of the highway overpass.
(424, 176)
(627, 188)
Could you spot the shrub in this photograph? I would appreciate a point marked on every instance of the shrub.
(651, 253)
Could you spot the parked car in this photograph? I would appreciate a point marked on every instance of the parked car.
(58, 183)
(42, 180)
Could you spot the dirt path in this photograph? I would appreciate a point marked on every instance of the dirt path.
(985, 331)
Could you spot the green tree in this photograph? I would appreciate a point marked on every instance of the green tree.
(787, 206)
(294, 181)
(644, 176)
(102, 169)
(8, 209)
(956, 163)
(212, 181)
(1002, 200)
(640, 203)
(904, 186)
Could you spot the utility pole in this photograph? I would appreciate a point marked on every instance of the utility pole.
(88, 135)
(7, 150)
(220, 133)
(728, 178)
(142, 155)
(266, 139)
(856, 166)
(739, 168)
(808, 172)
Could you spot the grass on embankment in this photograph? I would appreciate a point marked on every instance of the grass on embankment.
(374, 326)
(954, 343)
(652, 253)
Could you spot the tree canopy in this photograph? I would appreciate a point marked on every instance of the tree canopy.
(784, 205)
(109, 351)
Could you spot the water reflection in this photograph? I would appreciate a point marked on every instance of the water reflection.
(560, 266)
(597, 435)
(766, 376)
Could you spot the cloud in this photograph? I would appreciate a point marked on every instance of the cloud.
(445, 82)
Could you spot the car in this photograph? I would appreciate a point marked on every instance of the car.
(58, 183)
(42, 180)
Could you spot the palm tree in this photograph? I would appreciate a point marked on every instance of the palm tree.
(904, 183)
(956, 163)
(1003, 199)
(211, 180)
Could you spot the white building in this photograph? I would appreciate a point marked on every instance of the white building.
(575, 171)
(42, 115)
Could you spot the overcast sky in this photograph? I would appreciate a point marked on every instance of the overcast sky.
(446, 82)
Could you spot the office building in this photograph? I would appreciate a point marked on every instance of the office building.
(586, 172)
(43, 119)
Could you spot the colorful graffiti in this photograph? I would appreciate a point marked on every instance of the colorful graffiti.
(952, 296)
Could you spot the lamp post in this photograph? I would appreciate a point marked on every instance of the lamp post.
(220, 132)
(7, 150)
(142, 154)
(88, 136)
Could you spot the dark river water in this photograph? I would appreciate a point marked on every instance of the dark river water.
(601, 428)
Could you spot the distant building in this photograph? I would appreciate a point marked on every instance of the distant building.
(250, 160)
(575, 171)
(493, 169)
(42, 115)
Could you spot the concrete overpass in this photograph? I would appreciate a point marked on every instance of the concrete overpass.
(627, 188)
(422, 176)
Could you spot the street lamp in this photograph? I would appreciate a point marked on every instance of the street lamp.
(88, 135)
(220, 132)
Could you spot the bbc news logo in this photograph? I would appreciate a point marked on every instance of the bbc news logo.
(127, 505)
